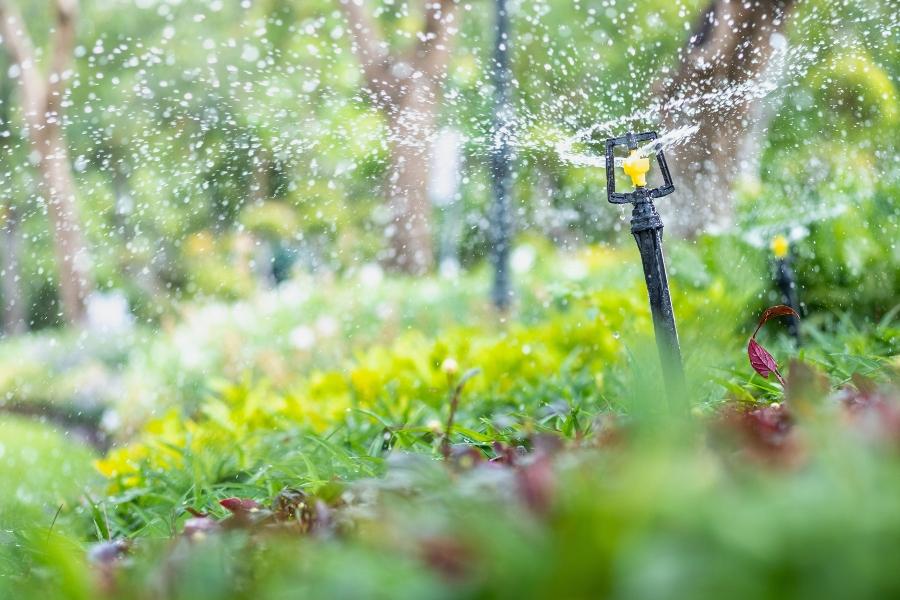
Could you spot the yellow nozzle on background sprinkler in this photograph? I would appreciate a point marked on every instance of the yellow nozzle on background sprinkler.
(637, 167)
(780, 246)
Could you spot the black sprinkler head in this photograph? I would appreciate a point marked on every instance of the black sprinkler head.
(636, 166)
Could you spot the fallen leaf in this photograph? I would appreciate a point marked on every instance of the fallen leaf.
(240, 505)
(762, 433)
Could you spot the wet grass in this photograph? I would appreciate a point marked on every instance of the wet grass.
(41, 469)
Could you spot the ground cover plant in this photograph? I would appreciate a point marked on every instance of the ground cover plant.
(356, 466)
(590, 511)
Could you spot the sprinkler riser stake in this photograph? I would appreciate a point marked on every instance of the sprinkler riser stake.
(787, 285)
(647, 229)
(786, 281)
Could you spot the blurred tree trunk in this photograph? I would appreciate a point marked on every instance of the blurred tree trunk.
(14, 314)
(713, 89)
(410, 229)
(41, 99)
(407, 89)
(15, 319)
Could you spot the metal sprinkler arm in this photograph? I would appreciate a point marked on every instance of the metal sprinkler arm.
(647, 227)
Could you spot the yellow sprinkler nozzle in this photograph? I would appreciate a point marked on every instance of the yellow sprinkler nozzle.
(637, 167)
(780, 246)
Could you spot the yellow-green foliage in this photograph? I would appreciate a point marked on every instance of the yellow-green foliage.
(583, 337)
(405, 383)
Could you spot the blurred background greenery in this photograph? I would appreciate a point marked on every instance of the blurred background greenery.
(239, 322)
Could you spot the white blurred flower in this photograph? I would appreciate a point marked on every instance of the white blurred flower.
(190, 350)
(111, 421)
(573, 268)
(302, 337)
(450, 268)
(292, 292)
(370, 275)
(522, 258)
(327, 326)
(384, 310)
(107, 312)
(431, 290)
(243, 316)
(450, 366)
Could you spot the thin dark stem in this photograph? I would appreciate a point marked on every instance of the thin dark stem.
(454, 405)
(53, 522)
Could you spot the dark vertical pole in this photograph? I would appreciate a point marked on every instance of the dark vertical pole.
(500, 217)
(647, 228)
(784, 278)
(786, 282)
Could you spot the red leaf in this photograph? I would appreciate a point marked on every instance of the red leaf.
(774, 311)
(240, 505)
(762, 361)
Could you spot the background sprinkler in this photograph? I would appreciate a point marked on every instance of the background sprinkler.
(647, 227)
(786, 281)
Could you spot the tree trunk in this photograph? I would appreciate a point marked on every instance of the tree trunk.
(409, 232)
(15, 319)
(41, 99)
(714, 89)
(72, 258)
(407, 89)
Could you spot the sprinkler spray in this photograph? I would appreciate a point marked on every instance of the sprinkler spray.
(647, 227)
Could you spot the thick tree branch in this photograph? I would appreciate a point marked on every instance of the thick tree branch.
(439, 15)
(729, 45)
(433, 48)
(62, 50)
(713, 89)
(21, 52)
(370, 48)
(407, 89)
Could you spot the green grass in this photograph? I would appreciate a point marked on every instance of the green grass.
(44, 473)
(41, 469)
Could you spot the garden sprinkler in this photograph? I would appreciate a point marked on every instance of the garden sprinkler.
(786, 282)
(647, 227)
